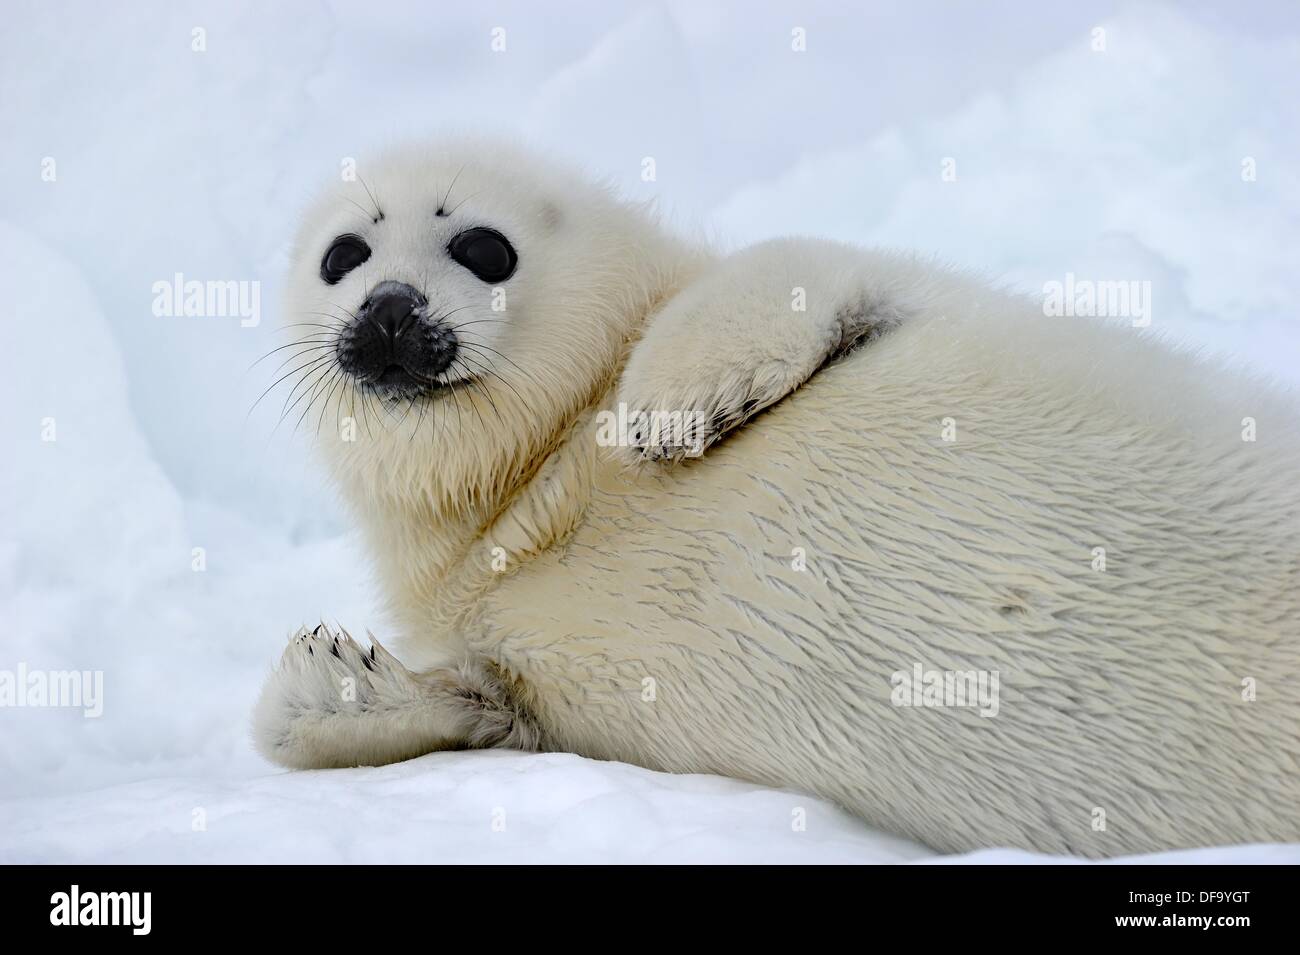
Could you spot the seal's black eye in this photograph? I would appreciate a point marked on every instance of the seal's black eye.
(344, 255)
(484, 252)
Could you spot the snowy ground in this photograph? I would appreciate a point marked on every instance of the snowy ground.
(473, 807)
(1122, 164)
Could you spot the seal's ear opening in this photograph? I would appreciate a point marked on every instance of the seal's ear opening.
(550, 216)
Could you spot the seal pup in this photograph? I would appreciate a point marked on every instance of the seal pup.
(815, 516)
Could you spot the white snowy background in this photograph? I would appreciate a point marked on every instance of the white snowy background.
(1119, 164)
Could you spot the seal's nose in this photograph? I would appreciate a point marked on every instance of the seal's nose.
(394, 345)
(392, 308)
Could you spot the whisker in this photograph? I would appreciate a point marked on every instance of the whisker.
(478, 386)
(301, 354)
(424, 406)
(379, 212)
(316, 392)
(332, 328)
(365, 410)
(365, 216)
(409, 405)
(447, 195)
(473, 378)
(481, 347)
(472, 404)
(460, 424)
(463, 201)
(495, 374)
(338, 380)
(370, 216)
(286, 408)
(351, 317)
(443, 316)
(352, 407)
(477, 321)
(302, 341)
(276, 382)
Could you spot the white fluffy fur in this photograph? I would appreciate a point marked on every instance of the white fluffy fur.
(655, 614)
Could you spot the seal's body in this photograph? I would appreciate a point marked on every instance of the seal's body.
(981, 576)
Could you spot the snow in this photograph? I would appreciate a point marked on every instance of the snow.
(1122, 164)
(474, 808)
(445, 807)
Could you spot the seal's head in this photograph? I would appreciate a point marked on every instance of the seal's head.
(455, 305)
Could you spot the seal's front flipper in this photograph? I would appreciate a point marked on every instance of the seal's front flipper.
(333, 703)
(746, 334)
